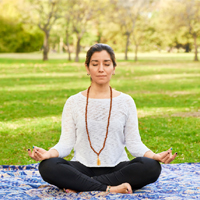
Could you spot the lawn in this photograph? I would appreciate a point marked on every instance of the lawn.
(165, 87)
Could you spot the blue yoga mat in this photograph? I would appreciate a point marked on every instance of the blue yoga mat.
(177, 181)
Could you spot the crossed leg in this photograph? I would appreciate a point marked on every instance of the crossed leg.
(123, 178)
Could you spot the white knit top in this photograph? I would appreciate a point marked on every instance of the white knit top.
(123, 130)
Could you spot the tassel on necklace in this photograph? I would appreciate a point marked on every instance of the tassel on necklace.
(98, 160)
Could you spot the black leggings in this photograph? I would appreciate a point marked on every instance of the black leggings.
(76, 176)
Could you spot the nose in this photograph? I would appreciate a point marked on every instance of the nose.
(101, 67)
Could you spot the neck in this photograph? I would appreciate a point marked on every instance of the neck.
(99, 91)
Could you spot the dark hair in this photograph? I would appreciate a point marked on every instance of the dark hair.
(97, 48)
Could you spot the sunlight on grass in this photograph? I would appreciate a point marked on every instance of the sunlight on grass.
(161, 111)
(17, 125)
(45, 87)
(167, 76)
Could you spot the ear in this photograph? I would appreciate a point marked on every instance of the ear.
(87, 69)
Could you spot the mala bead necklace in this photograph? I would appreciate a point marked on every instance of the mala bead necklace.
(98, 153)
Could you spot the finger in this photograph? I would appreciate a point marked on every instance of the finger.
(32, 154)
(174, 156)
(34, 148)
(170, 150)
(167, 161)
(29, 153)
(38, 154)
(166, 158)
(36, 157)
(38, 149)
(171, 158)
(164, 155)
(35, 153)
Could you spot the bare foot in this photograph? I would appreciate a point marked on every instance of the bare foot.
(123, 188)
(69, 190)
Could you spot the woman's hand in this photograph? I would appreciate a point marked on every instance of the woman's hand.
(39, 154)
(165, 157)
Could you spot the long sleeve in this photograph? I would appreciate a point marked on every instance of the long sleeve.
(132, 137)
(67, 138)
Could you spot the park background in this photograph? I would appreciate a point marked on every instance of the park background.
(42, 51)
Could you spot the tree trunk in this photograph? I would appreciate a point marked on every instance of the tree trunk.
(127, 45)
(46, 45)
(68, 50)
(187, 47)
(78, 48)
(136, 51)
(196, 48)
(61, 45)
(69, 53)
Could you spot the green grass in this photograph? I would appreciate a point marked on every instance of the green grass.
(165, 87)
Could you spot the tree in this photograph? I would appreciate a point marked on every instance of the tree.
(44, 15)
(80, 14)
(68, 31)
(187, 15)
(155, 33)
(139, 34)
(126, 15)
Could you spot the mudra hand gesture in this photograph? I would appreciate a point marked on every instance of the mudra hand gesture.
(39, 154)
(165, 157)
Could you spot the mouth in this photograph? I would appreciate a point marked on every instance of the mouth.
(101, 76)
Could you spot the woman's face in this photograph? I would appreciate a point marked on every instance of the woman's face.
(101, 67)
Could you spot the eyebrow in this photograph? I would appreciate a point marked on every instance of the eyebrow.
(97, 60)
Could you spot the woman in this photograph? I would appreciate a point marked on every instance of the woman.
(99, 123)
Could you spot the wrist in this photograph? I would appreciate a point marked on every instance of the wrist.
(154, 156)
(53, 153)
(49, 154)
(150, 154)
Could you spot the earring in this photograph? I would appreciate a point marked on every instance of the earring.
(113, 74)
(88, 74)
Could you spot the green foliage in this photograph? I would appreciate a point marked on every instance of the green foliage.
(171, 25)
(15, 38)
(165, 87)
(30, 41)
